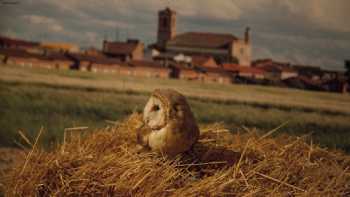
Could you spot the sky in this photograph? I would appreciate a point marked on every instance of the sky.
(310, 32)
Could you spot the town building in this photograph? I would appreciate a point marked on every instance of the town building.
(6, 42)
(225, 48)
(311, 72)
(59, 60)
(245, 71)
(142, 68)
(125, 51)
(93, 52)
(24, 58)
(274, 70)
(217, 75)
(184, 71)
(204, 61)
(90, 63)
(59, 47)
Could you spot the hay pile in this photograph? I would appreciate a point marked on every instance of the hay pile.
(107, 163)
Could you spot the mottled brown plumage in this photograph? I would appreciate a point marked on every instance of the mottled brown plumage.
(169, 124)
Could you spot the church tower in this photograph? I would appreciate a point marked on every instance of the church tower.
(166, 27)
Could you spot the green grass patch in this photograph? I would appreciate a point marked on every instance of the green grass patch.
(28, 107)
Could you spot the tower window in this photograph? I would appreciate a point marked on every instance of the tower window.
(165, 22)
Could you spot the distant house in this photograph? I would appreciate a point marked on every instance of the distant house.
(93, 52)
(244, 71)
(189, 72)
(311, 72)
(59, 60)
(261, 62)
(203, 61)
(125, 51)
(6, 42)
(59, 47)
(184, 71)
(17, 57)
(24, 58)
(141, 68)
(91, 63)
(328, 75)
(276, 70)
(218, 75)
(223, 47)
(164, 58)
(102, 64)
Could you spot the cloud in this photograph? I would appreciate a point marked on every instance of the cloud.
(314, 31)
(213, 10)
(219, 9)
(328, 14)
(50, 23)
(111, 23)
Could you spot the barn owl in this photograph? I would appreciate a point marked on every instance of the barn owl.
(171, 126)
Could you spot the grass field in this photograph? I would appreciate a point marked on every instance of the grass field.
(31, 98)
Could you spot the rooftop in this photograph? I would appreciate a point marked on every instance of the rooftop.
(243, 69)
(94, 59)
(203, 40)
(12, 41)
(119, 48)
(143, 63)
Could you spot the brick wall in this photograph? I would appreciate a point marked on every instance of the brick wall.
(188, 74)
(151, 72)
(217, 78)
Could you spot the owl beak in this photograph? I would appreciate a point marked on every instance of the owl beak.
(147, 121)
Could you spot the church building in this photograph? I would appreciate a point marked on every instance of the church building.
(224, 48)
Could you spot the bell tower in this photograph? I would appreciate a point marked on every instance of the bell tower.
(166, 27)
(247, 35)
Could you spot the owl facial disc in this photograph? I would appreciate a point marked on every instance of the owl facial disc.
(172, 126)
(154, 114)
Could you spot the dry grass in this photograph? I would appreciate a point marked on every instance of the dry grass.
(108, 163)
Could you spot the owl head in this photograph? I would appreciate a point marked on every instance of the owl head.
(171, 121)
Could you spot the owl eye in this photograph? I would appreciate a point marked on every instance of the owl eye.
(176, 107)
(155, 108)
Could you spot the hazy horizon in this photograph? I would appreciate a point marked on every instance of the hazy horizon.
(313, 32)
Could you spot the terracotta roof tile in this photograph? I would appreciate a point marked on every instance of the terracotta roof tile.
(230, 67)
(203, 40)
(93, 59)
(24, 54)
(216, 70)
(18, 53)
(143, 63)
(119, 48)
(57, 56)
(18, 42)
(243, 69)
(203, 61)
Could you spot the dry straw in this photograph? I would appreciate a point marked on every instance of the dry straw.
(108, 163)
